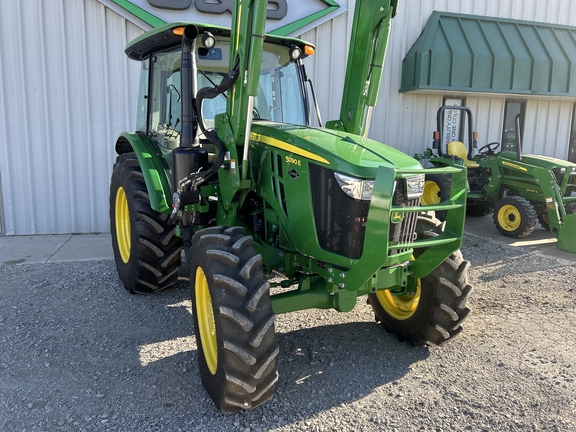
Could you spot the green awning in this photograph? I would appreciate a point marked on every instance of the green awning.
(471, 53)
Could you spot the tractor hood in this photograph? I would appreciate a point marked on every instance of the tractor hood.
(341, 151)
(545, 161)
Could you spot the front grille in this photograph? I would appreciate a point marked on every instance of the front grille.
(405, 230)
(340, 219)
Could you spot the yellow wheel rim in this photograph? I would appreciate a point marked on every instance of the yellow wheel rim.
(431, 193)
(206, 322)
(400, 307)
(509, 217)
(122, 222)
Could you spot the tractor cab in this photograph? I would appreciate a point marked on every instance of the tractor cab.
(282, 95)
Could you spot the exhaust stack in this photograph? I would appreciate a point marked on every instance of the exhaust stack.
(188, 78)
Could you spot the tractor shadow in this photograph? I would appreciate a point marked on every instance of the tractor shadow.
(320, 366)
(331, 365)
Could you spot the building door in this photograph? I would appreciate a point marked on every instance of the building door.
(512, 109)
(572, 144)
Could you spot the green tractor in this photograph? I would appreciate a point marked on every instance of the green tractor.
(225, 165)
(520, 189)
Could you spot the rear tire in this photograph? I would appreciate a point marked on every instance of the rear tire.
(434, 313)
(233, 319)
(146, 250)
(436, 190)
(515, 217)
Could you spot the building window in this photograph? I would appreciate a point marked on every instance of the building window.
(512, 109)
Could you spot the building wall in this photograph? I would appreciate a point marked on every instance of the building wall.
(67, 90)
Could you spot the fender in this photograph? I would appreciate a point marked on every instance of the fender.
(155, 178)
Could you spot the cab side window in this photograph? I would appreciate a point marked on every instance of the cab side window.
(165, 114)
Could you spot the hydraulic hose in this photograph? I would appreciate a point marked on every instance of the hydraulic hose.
(227, 82)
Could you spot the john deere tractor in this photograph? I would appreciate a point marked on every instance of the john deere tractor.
(521, 189)
(225, 165)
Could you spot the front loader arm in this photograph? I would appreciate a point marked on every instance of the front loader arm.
(233, 127)
(368, 43)
(249, 21)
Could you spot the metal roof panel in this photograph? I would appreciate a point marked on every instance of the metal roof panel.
(472, 53)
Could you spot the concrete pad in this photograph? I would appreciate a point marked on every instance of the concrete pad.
(30, 249)
(85, 247)
(540, 240)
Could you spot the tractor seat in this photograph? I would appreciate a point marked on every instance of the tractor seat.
(456, 148)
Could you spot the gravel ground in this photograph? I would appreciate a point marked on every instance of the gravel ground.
(79, 353)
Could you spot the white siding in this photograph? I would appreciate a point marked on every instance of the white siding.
(66, 91)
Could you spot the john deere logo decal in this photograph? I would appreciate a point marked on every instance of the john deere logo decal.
(396, 217)
(515, 166)
(293, 173)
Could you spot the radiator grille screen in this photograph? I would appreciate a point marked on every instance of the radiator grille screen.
(340, 219)
(405, 230)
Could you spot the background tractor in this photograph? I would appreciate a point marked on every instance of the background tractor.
(224, 163)
(520, 189)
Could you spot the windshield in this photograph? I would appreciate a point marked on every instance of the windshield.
(280, 94)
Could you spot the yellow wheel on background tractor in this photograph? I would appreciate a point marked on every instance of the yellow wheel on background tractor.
(431, 193)
(436, 190)
(206, 323)
(122, 218)
(515, 216)
(509, 218)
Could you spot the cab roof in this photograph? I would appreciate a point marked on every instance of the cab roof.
(163, 37)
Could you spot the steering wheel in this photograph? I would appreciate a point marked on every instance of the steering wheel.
(489, 149)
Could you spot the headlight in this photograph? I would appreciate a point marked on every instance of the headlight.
(354, 187)
(414, 186)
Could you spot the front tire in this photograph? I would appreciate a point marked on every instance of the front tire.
(146, 250)
(515, 217)
(233, 319)
(433, 313)
(544, 219)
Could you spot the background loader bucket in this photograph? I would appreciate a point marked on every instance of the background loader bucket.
(567, 235)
